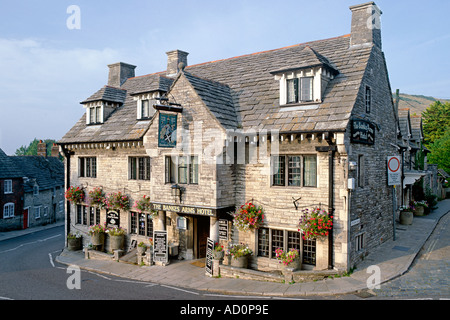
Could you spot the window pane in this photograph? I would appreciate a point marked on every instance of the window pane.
(278, 170)
(182, 170)
(306, 89)
(149, 226)
(193, 170)
(94, 167)
(263, 242)
(294, 171)
(145, 111)
(142, 219)
(309, 252)
(147, 168)
(141, 168)
(292, 90)
(293, 240)
(133, 223)
(97, 115)
(91, 115)
(277, 241)
(310, 171)
(133, 169)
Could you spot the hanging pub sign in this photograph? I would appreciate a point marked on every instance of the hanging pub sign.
(167, 132)
(112, 219)
(363, 132)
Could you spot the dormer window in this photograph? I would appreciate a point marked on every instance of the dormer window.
(95, 115)
(305, 82)
(145, 102)
(299, 90)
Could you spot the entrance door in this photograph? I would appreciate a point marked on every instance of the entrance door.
(25, 218)
(202, 236)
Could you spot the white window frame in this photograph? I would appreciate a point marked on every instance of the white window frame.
(37, 212)
(8, 210)
(8, 187)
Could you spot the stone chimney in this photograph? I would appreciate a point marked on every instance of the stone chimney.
(55, 150)
(176, 61)
(42, 149)
(119, 72)
(366, 24)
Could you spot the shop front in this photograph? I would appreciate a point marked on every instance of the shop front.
(189, 227)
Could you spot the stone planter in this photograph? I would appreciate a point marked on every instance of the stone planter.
(420, 210)
(241, 262)
(74, 244)
(406, 217)
(292, 266)
(98, 239)
(141, 250)
(218, 255)
(116, 242)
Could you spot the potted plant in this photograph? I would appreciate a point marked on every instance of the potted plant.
(406, 215)
(117, 201)
(239, 255)
(97, 233)
(315, 223)
(116, 237)
(290, 259)
(75, 194)
(74, 241)
(141, 248)
(218, 252)
(97, 198)
(248, 217)
(420, 207)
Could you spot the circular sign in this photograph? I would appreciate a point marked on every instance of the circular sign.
(394, 164)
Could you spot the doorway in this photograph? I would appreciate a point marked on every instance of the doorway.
(201, 234)
(25, 218)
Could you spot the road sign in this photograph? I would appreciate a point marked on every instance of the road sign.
(394, 171)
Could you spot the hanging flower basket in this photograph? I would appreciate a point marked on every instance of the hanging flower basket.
(248, 217)
(315, 223)
(117, 201)
(143, 205)
(97, 198)
(75, 194)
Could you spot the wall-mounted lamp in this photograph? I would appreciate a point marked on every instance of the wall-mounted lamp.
(176, 191)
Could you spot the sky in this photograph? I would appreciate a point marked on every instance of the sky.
(52, 57)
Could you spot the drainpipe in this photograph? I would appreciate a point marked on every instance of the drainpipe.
(331, 150)
(67, 155)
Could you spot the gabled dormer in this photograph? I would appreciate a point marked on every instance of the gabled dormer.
(102, 103)
(154, 87)
(306, 82)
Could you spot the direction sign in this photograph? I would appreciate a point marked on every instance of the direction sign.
(394, 171)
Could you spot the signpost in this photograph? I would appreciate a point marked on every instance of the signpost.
(160, 247)
(394, 171)
(209, 257)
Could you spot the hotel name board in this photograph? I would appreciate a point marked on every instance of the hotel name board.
(184, 209)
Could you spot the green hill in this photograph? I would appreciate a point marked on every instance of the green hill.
(416, 103)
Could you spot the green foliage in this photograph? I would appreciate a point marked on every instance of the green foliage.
(436, 120)
(440, 151)
(31, 150)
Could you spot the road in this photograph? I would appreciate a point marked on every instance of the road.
(28, 271)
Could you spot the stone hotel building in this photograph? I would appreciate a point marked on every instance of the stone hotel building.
(309, 125)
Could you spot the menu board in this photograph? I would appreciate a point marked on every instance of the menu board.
(160, 252)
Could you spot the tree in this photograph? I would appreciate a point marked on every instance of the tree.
(436, 120)
(440, 151)
(31, 150)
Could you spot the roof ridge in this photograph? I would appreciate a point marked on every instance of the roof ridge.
(267, 51)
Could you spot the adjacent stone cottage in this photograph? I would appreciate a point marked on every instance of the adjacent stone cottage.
(305, 126)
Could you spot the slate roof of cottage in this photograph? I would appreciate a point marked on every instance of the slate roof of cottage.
(47, 172)
(8, 169)
(242, 92)
(108, 94)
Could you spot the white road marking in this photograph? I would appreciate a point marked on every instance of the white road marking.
(174, 288)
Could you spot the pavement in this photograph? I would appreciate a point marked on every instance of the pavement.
(391, 259)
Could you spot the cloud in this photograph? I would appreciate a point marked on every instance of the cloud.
(41, 86)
